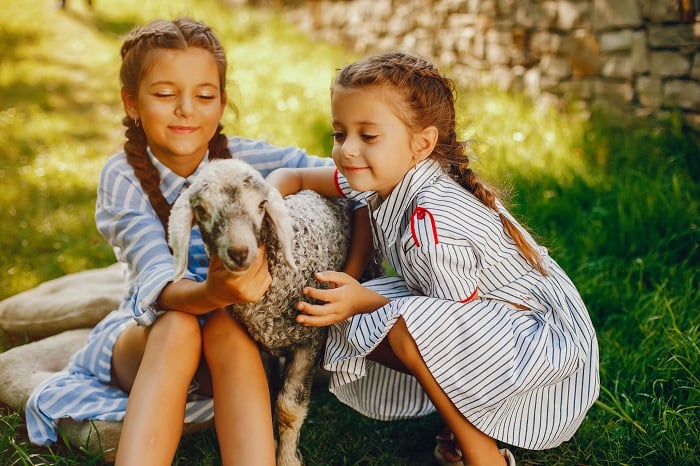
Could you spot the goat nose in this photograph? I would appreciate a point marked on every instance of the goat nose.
(238, 255)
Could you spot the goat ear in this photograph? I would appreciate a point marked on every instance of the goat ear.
(278, 215)
(179, 231)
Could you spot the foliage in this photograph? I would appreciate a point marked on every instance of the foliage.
(616, 204)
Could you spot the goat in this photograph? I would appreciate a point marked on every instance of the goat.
(236, 210)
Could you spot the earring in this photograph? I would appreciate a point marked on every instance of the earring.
(137, 122)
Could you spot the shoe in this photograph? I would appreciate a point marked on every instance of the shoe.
(510, 459)
(446, 442)
(439, 448)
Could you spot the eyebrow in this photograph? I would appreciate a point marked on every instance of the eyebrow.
(359, 123)
(172, 83)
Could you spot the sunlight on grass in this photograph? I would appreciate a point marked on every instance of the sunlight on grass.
(515, 136)
(617, 206)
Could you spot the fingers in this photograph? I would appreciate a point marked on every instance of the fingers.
(314, 315)
(336, 278)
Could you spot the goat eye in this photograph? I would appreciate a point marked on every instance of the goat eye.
(262, 205)
(200, 212)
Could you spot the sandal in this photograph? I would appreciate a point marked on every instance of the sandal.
(446, 451)
(446, 444)
(510, 459)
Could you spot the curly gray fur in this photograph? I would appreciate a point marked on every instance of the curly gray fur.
(236, 210)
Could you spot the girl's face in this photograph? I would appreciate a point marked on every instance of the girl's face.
(179, 104)
(372, 147)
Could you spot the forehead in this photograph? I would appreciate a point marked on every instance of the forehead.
(366, 105)
(187, 65)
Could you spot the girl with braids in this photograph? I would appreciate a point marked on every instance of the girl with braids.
(480, 323)
(170, 349)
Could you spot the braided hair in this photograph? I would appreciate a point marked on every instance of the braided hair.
(136, 59)
(428, 99)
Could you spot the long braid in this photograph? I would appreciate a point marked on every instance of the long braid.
(179, 34)
(429, 100)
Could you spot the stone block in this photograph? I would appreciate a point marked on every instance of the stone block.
(538, 16)
(649, 91)
(692, 120)
(54, 306)
(583, 53)
(578, 89)
(609, 14)
(612, 91)
(695, 70)
(573, 15)
(640, 52)
(616, 66)
(673, 35)
(544, 42)
(669, 64)
(683, 94)
(555, 67)
(614, 41)
(660, 10)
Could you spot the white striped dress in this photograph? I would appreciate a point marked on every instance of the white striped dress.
(523, 377)
(128, 222)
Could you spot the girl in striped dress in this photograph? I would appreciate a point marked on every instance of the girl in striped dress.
(171, 348)
(480, 323)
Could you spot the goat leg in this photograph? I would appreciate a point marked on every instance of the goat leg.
(293, 403)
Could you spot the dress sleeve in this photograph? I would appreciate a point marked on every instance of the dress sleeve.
(126, 220)
(443, 267)
(266, 157)
(341, 183)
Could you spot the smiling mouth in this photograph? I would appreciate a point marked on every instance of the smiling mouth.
(183, 129)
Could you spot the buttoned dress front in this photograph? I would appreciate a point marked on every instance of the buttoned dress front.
(126, 219)
(524, 377)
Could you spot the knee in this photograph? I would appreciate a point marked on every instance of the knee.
(402, 344)
(223, 334)
(176, 333)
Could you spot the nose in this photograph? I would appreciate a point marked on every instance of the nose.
(350, 148)
(184, 106)
(238, 255)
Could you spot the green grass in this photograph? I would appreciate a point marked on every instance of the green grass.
(616, 203)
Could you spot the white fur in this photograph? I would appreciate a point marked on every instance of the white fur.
(236, 209)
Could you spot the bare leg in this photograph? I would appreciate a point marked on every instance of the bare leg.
(166, 355)
(478, 448)
(242, 409)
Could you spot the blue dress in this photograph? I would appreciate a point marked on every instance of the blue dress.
(126, 219)
(524, 377)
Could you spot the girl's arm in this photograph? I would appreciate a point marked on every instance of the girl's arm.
(292, 180)
(344, 298)
(322, 180)
(220, 289)
(361, 245)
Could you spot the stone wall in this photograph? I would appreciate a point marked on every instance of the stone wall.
(633, 57)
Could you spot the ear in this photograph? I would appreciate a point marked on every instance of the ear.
(278, 215)
(130, 104)
(179, 231)
(424, 142)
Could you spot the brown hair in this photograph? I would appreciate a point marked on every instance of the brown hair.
(136, 59)
(428, 99)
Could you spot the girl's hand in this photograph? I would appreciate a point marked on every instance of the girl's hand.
(227, 288)
(344, 298)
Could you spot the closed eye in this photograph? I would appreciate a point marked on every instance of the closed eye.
(201, 213)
